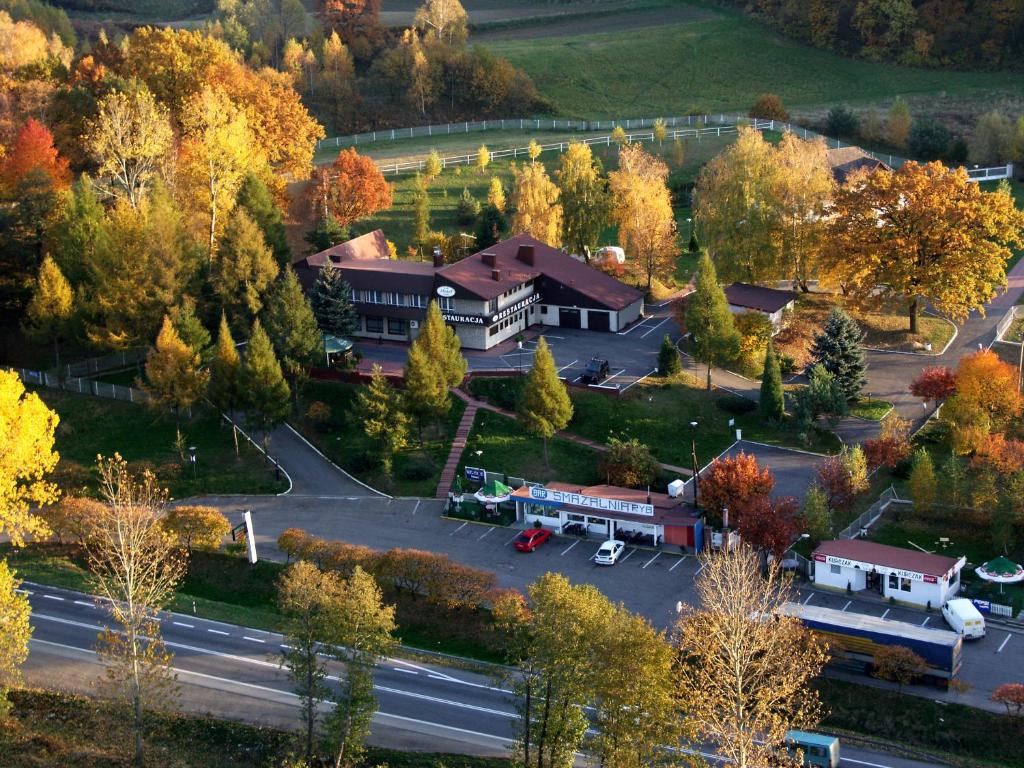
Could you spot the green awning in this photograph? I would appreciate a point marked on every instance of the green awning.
(1001, 566)
(495, 488)
(334, 345)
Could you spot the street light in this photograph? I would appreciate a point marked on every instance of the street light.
(192, 459)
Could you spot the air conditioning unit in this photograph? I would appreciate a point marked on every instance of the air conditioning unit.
(675, 488)
(414, 323)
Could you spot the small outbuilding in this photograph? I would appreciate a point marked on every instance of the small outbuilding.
(744, 297)
(905, 575)
(844, 161)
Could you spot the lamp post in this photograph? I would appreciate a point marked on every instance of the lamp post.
(192, 459)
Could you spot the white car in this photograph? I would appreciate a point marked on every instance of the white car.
(609, 552)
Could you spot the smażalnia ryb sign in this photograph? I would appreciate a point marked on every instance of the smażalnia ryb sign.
(553, 497)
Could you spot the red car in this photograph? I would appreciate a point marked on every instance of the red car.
(527, 541)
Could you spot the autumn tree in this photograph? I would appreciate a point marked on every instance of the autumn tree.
(992, 140)
(923, 484)
(433, 166)
(483, 158)
(244, 270)
(1011, 696)
(267, 395)
(842, 476)
(816, 515)
(136, 568)
(986, 398)
(331, 300)
(496, 194)
(444, 20)
(709, 320)
(223, 388)
(27, 429)
(585, 202)
(923, 231)
(14, 617)
(538, 211)
(642, 207)
(897, 124)
(32, 151)
(71, 518)
(897, 664)
(772, 401)
(628, 463)
(544, 406)
(379, 408)
(803, 193)
(771, 526)
(839, 350)
(174, 378)
(734, 483)
(768, 106)
(349, 189)
(619, 136)
(746, 666)
(49, 313)
(892, 444)
(128, 139)
(935, 383)
(659, 130)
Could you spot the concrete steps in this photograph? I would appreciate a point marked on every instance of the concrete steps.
(455, 454)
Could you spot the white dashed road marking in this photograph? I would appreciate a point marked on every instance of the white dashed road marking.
(217, 632)
(83, 602)
(407, 671)
(253, 639)
(183, 624)
(53, 597)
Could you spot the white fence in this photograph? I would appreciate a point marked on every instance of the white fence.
(1006, 323)
(867, 518)
(991, 174)
(115, 360)
(82, 386)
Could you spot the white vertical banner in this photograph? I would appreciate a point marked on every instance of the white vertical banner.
(250, 539)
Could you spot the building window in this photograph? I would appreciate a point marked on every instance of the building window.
(492, 330)
(396, 326)
(374, 324)
(894, 581)
(574, 518)
(543, 309)
(492, 306)
(446, 303)
(837, 569)
(905, 585)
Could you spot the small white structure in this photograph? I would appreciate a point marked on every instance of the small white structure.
(905, 575)
(609, 254)
(744, 297)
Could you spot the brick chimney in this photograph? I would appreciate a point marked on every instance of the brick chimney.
(490, 259)
(495, 273)
(526, 254)
(438, 257)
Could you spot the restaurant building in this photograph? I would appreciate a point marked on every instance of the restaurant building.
(607, 511)
(905, 575)
(487, 298)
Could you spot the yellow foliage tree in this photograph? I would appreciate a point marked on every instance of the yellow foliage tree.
(49, 311)
(196, 527)
(483, 158)
(986, 398)
(14, 613)
(804, 190)
(642, 207)
(26, 434)
(923, 231)
(173, 376)
(537, 209)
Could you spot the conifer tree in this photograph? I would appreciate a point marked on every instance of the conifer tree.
(838, 349)
(329, 231)
(496, 194)
(438, 340)
(267, 396)
(244, 269)
(189, 327)
(668, 358)
(426, 392)
(331, 301)
(255, 197)
(49, 311)
(292, 327)
(173, 377)
(772, 402)
(708, 318)
(421, 214)
(922, 480)
(378, 407)
(544, 406)
(225, 370)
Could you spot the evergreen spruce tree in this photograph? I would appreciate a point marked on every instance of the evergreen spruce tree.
(379, 409)
(838, 349)
(173, 377)
(708, 318)
(668, 358)
(225, 370)
(491, 225)
(329, 231)
(544, 406)
(467, 209)
(255, 197)
(438, 340)
(49, 312)
(331, 301)
(420, 214)
(292, 327)
(267, 396)
(772, 401)
(426, 392)
(189, 327)
(693, 246)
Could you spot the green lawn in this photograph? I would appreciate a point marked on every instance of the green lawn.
(721, 63)
(416, 470)
(93, 425)
(866, 408)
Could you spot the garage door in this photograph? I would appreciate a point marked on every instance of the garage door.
(597, 320)
(568, 318)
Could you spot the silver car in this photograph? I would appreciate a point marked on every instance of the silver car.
(609, 552)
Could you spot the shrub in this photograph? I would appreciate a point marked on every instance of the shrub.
(735, 404)
(928, 139)
(787, 364)
(769, 107)
(628, 463)
(319, 415)
(420, 470)
(467, 209)
(841, 122)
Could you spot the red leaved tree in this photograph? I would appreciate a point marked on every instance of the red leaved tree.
(935, 383)
(770, 525)
(349, 189)
(33, 150)
(834, 478)
(891, 446)
(1004, 455)
(735, 483)
(1011, 696)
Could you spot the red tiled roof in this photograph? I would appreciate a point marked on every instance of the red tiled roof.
(757, 297)
(372, 245)
(890, 557)
(475, 276)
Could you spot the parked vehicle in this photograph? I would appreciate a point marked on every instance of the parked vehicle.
(529, 540)
(595, 372)
(853, 639)
(964, 618)
(815, 749)
(610, 552)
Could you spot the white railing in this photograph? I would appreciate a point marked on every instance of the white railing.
(1006, 323)
(82, 386)
(991, 174)
(869, 516)
(123, 359)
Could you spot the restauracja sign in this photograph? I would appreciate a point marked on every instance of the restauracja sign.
(451, 317)
(553, 498)
(903, 574)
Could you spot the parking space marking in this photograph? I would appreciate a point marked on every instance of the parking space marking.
(512, 539)
(417, 506)
(633, 383)
(678, 563)
(1003, 645)
(628, 555)
(700, 569)
(568, 365)
(926, 620)
(656, 556)
(617, 373)
(848, 602)
(459, 528)
(808, 598)
(653, 328)
(566, 550)
(886, 613)
(489, 530)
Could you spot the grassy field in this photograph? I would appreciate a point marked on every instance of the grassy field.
(874, 410)
(92, 425)
(722, 62)
(416, 470)
(48, 729)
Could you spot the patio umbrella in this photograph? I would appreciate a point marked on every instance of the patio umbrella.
(493, 492)
(1001, 570)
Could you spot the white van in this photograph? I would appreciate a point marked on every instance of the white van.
(964, 618)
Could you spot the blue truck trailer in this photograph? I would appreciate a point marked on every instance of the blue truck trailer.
(853, 639)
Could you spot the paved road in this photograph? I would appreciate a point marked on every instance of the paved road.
(232, 671)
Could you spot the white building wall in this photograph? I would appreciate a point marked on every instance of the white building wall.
(920, 593)
(825, 577)
(626, 316)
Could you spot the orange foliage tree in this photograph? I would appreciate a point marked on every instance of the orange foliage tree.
(33, 150)
(986, 398)
(735, 483)
(1011, 696)
(1004, 455)
(923, 231)
(350, 188)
